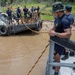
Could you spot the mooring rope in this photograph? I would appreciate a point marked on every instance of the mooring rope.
(38, 59)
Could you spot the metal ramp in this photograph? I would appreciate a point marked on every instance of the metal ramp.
(67, 70)
(66, 66)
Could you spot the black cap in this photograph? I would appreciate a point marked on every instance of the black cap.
(68, 7)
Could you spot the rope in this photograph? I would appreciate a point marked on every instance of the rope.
(33, 30)
(41, 53)
(38, 59)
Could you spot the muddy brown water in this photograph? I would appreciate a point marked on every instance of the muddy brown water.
(19, 52)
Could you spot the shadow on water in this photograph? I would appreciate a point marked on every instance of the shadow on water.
(23, 33)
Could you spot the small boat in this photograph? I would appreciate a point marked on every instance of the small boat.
(14, 27)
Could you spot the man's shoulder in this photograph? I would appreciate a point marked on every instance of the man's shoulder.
(65, 20)
(70, 16)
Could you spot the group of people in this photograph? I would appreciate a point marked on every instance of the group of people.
(27, 13)
(62, 28)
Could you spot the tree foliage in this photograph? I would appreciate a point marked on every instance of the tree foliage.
(6, 2)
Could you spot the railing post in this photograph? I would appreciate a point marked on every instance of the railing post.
(64, 43)
(51, 54)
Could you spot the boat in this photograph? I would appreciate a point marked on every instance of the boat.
(14, 27)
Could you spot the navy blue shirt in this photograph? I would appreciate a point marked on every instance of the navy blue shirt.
(18, 11)
(71, 18)
(61, 23)
(38, 8)
(32, 9)
(25, 10)
(9, 12)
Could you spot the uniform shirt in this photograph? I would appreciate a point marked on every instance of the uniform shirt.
(18, 11)
(71, 18)
(9, 12)
(38, 8)
(61, 23)
(25, 10)
(32, 9)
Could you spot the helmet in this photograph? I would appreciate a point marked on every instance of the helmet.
(57, 6)
(68, 7)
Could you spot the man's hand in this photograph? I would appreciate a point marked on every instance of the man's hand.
(52, 33)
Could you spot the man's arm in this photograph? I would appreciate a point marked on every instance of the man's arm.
(66, 34)
(67, 30)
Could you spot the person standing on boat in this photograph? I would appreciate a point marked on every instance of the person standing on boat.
(33, 12)
(18, 12)
(61, 29)
(25, 10)
(9, 13)
(32, 9)
(38, 11)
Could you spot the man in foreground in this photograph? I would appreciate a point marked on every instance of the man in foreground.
(61, 29)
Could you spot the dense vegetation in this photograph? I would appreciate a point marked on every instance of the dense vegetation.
(45, 6)
(6, 2)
